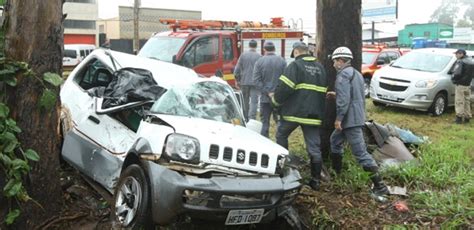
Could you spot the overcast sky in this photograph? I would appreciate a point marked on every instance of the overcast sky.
(410, 11)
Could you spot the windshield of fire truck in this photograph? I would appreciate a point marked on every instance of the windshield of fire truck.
(161, 48)
(207, 100)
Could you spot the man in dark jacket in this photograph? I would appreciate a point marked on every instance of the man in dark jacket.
(244, 76)
(350, 118)
(462, 79)
(266, 73)
(301, 96)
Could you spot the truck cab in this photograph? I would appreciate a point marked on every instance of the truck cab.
(214, 47)
(207, 52)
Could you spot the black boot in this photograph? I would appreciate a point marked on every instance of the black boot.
(315, 181)
(379, 188)
(336, 161)
(458, 120)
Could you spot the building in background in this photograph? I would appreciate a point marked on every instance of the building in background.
(427, 31)
(117, 33)
(80, 23)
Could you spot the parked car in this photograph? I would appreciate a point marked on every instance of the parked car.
(168, 143)
(419, 80)
(374, 58)
(75, 53)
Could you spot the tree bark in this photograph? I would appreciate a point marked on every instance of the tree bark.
(338, 24)
(34, 34)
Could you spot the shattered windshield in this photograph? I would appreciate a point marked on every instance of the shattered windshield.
(161, 48)
(208, 100)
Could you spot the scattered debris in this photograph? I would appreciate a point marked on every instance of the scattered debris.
(395, 190)
(401, 206)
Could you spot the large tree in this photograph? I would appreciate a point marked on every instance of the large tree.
(447, 12)
(34, 34)
(338, 24)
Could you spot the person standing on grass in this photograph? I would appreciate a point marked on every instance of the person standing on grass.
(350, 118)
(462, 77)
(300, 96)
(245, 81)
(266, 73)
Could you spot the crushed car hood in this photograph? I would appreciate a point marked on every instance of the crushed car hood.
(226, 135)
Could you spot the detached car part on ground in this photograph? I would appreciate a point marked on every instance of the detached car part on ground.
(168, 143)
(420, 79)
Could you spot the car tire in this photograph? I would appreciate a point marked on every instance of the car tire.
(367, 87)
(440, 104)
(132, 199)
(378, 104)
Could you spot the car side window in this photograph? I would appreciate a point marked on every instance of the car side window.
(383, 57)
(393, 56)
(228, 49)
(83, 53)
(93, 74)
(203, 50)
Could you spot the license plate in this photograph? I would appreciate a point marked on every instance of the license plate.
(388, 97)
(250, 216)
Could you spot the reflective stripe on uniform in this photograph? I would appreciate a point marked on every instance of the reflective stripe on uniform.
(311, 87)
(287, 81)
(309, 59)
(305, 121)
(275, 102)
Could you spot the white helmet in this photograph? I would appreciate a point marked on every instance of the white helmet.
(342, 52)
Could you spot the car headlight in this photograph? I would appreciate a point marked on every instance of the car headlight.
(182, 148)
(426, 83)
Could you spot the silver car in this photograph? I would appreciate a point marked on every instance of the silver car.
(420, 79)
(168, 143)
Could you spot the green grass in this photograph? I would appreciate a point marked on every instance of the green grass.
(440, 182)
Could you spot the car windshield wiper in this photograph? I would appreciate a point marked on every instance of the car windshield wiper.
(396, 66)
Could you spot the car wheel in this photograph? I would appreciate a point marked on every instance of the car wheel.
(376, 103)
(440, 103)
(367, 87)
(132, 198)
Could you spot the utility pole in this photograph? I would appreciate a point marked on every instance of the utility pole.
(136, 37)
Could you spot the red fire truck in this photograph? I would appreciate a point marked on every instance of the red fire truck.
(213, 47)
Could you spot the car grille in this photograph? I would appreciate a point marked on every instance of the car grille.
(240, 156)
(392, 87)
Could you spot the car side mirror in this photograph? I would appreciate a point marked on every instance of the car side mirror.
(174, 61)
(219, 73)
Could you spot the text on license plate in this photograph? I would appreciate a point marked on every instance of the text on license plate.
(389, 97)
(249, 216)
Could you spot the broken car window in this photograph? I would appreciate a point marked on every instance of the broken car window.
(206, 100)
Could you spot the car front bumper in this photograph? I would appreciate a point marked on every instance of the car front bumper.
(412, 98)
(173, 194)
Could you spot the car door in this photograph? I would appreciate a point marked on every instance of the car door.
(229, 54)
(98, 142)
(202, 55)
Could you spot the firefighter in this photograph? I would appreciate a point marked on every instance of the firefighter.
(300, 96)
(244, 76)
(350, 118)
(266, 73)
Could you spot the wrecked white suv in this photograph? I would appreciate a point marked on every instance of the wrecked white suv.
(168, 143)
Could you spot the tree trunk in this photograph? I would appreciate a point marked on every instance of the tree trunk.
(338, 24)
(34, 34)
